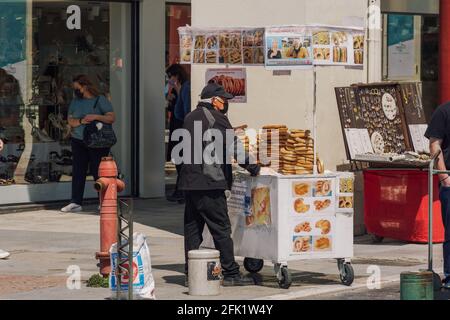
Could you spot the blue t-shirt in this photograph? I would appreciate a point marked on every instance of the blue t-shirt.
(79, 108)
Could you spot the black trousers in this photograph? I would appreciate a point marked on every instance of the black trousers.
(83, 158)
(445, 201)
(210, 208)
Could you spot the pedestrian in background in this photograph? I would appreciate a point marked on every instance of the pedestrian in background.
(88, 106)
(439, 134)
(180, 103)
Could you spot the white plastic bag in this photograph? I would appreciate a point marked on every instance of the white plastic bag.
(143, 281)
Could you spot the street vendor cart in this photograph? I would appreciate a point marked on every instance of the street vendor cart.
(293, 218)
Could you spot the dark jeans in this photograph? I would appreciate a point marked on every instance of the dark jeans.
(445, 201)
(209, 207)
(82, 158)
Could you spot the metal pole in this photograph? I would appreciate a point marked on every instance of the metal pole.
(431, 173)
(119, 258)
(430, 215)
(130, 251)
(315, 119)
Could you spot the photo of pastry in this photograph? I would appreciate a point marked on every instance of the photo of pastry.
(322, 243)
(346, 185)
(324, 225)
(199, 56)
(322, 54)
(301, 207)
(235, 56)
(211, 57)
(236, 41)
(212, 42)
(301, 189)
(258, 55)
(359, 56)
(301, 244)
(345, 202)
(186, 41)
(253, 38)
(358, 42)
(322, 205)
(303, 227)
(339, 39)
(261, 206)
(323, 188)
(200, 42)
(224, 41)
(340, 55)
(248, 56)
(186, 55)
(235, 86)
(321, 38)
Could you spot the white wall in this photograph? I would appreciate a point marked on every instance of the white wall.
(286, 99)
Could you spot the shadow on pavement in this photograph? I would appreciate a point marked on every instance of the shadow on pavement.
(170, 267)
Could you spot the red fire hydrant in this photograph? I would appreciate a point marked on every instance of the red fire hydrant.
(108, 186)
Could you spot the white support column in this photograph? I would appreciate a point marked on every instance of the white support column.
(374, 41)
(152, 111)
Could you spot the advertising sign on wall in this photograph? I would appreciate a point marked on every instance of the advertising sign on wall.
(233, 80)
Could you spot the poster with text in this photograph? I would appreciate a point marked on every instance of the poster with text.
(288, 48)
(234, 81)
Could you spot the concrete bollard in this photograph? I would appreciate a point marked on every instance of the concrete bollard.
(204, 272)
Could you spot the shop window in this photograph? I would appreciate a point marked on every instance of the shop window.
(40, 54)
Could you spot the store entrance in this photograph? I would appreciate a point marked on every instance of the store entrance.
(177, 15)
(56, 41)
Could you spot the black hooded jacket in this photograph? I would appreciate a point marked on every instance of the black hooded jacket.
(192, 177)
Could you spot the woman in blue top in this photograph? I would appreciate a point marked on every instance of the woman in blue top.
(88, 105)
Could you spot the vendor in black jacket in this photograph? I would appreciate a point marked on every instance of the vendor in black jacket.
(205, 184)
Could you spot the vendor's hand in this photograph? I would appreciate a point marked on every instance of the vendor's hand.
(1, 145)
(265, 171)
(89, 118)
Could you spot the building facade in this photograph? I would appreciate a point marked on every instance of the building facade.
(126, 46)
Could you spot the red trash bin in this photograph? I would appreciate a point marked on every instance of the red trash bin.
(396, 205)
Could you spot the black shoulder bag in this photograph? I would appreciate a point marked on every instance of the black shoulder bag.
(99, 135)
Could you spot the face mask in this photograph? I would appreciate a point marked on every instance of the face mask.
(78, 93)
(225, 108)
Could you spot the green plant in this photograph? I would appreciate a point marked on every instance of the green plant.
(98, 281)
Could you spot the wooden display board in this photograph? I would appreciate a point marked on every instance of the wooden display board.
(382, 118)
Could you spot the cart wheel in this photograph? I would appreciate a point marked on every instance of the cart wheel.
(377, 239)
(286, 279)
(347, 274)
(253, 265)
